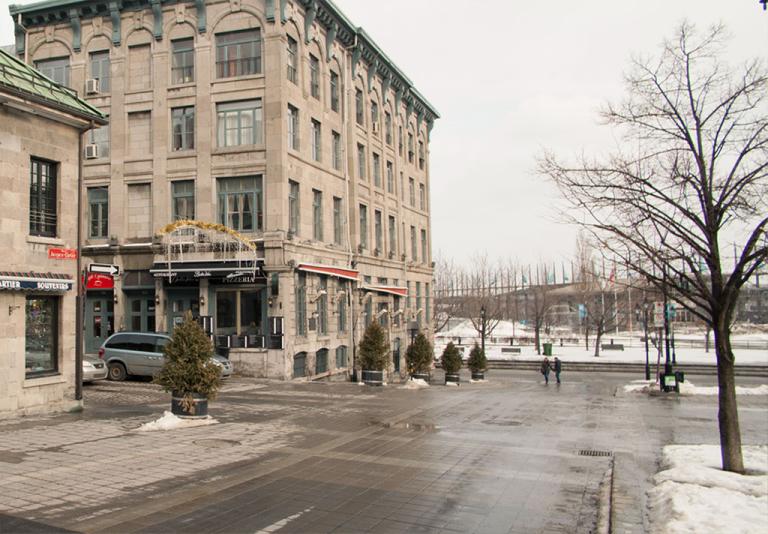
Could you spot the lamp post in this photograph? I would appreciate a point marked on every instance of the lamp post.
(667, 363)
(644, 317)
(482, 328)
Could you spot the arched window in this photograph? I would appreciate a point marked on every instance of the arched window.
(300, 365)
(321, 361)
(341, 356)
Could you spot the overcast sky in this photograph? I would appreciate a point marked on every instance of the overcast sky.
(511, 78)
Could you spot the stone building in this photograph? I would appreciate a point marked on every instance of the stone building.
(287, 148)
(41, 124)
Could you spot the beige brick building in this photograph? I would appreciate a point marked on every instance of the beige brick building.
(295, 146)
(40, 127)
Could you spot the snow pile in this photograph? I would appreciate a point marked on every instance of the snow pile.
(688, 388)
(482, 381)
(640, 386)
(415, 383)
(693, 494)
(169, 421)
(452, 384)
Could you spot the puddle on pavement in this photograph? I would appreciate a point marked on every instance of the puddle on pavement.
(416, 427)
(10, 457)
(214, 443)
(502, 422)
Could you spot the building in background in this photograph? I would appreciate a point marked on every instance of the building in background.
(266, 165)
(41, 123)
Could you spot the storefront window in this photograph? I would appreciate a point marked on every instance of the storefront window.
(42, 334)
(239, 312)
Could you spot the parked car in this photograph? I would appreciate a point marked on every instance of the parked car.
(93, 369)
(141, 354)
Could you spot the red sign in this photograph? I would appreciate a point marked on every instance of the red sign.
(62, 254)
(99, 281)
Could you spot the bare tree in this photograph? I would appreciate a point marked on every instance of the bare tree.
(484, 306)
(539, 296)
(449, 302)
(700, 169)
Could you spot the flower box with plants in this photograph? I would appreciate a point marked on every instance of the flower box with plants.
(419, 357)
(450, 360)
(373, 351)
(189, 373)
(477, 363)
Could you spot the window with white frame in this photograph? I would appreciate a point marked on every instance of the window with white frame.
(100, 69)
(378, 230)
(359, 107)
(240, 123)
(317, 149)
(314, 77)
(361, 161)
(317, 215)
(334, 91)
(183, 199)
(183, 61)
(293, 127)
(240, 203)
(336, 136)
(338, 221)
(293, 207)
(293, 51)
(183, 128)
(363, 226)
(376, 170)
(390, 178)
(392, 235)
(238, 53)
(98, 212)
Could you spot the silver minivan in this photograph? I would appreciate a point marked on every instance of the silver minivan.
(141, 354)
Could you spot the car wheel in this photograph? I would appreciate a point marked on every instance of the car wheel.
(117, 372)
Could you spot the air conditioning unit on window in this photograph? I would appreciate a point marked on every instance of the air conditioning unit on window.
(91, 151)
(92, 86)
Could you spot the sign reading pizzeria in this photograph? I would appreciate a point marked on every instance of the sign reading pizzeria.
(62, 254)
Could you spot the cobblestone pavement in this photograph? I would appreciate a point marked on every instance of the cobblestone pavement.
(503, 456)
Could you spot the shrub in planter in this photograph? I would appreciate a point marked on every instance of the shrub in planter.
(373, 351)
(477, 362)
(419, 356)
(451, 362)
(188, 371)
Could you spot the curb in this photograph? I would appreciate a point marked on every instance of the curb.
(627, 496)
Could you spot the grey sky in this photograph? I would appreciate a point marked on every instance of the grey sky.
(510, 78)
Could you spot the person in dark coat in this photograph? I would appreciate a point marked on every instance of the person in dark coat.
(558, 368)
(545, 367)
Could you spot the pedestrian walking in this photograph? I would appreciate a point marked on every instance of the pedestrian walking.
(545, 368)
(558, 368)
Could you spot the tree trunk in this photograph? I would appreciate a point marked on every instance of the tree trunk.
(728, 415)
(598, 337)
(536, 335)
(586, 338)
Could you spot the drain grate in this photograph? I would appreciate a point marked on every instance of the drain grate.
(592, 452)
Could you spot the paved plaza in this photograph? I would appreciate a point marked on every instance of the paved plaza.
(504, 456)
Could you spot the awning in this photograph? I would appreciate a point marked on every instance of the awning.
(231, 271)
(29, 281)
(390, 290)
(338, 272)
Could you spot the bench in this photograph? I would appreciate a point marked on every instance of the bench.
(612, 346)
(515, 350)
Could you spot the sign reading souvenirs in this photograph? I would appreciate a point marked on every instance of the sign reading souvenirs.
(62, 254)
(104, 268)
(34, 282)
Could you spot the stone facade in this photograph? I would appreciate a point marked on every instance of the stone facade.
(304, 49)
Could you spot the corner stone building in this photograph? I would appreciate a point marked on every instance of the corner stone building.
(40, 126)
(289, 150)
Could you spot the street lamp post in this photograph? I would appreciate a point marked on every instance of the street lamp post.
(482, 328)
(645, 334)
(667, 362)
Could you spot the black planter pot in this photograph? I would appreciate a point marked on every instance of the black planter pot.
(373, 378)
(199, 406)
(478, 375)
(451, 377)
(422, 376)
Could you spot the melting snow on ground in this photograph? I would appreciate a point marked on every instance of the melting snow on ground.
(688, 388)
(694, 495)
(415, 383)
(169, 421)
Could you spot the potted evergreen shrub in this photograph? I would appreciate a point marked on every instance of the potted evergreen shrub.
(451, 362)
(419, 357)
(477, 363)
(373, 350)
(188, 371)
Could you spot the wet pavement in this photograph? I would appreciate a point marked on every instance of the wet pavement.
(509, 455)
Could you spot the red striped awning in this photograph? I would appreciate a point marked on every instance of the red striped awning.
(338, 272)
(390, 290)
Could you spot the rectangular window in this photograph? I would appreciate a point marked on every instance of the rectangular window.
(390, 178)
(314, 76)
(336, 150)
(395, 308)
(359, 108)
(322, 306)
(292, 59)
(400, 140)
(412, 191)
(421, 154)
(139, 67)
(388, 127)
(183, 198)
(381, 313)
(317, 215)
(301, 304)
(374, 113)
(317, 148)
(341, 307)
(338, 226)
(240, 123)
(183, 128)
(418, 302)
(240, 203)
(360, 161)
(424, 254)
(293, 207)
(422, 197)
(98, 212)
(140, 134)
(378, 230)
(100, 137)
(376, 170)
(363, 226)
(414, 244)
(402, 186)
(43, 195)
(426, 303)
(41, 335)
(341, 355)
(293, 127)
(392, 236)
(139, 211)
(410, 147)
(334, 91)
(238, 53)
(183, 61)
(100, 69)
(57, 69)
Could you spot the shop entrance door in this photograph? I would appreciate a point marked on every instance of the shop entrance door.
(140, 311)
(179, 302)
(99, 320)
(396, 354)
